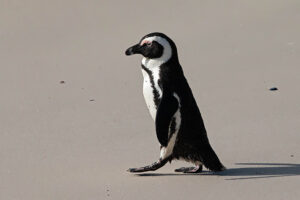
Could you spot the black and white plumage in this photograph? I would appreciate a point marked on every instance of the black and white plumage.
(179, 126)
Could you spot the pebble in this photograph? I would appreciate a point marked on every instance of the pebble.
(273, 89)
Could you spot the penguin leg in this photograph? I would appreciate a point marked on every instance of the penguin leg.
(196, 169)
(154, 166)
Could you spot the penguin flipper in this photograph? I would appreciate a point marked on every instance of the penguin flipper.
(166, 109)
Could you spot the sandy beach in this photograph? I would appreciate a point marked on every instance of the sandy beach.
(73, 117)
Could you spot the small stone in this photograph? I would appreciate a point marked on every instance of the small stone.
(62, 82)
(273, 89)
(292, 155)
(92, 99)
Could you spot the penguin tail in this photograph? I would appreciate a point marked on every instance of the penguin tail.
(211, 160)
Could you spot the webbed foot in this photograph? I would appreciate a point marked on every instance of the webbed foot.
(154, 166)
(196, 169)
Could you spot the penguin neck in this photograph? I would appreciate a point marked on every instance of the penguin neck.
(152, 63)
(171, 67)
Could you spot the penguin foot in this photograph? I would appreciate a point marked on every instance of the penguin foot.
(154, 166)
(151, 167)
(196, 169)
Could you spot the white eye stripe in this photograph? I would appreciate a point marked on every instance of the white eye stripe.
(167, 52)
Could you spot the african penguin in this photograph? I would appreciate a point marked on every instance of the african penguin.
(179, 126)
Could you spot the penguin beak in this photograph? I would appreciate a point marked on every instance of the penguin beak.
(135, 49)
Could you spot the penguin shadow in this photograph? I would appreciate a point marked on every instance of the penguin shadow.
(247, 171)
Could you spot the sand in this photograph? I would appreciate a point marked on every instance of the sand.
(73, 118)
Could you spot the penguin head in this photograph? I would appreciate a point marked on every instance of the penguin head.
(154, 46)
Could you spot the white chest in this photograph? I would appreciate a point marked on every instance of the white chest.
(151, 89)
